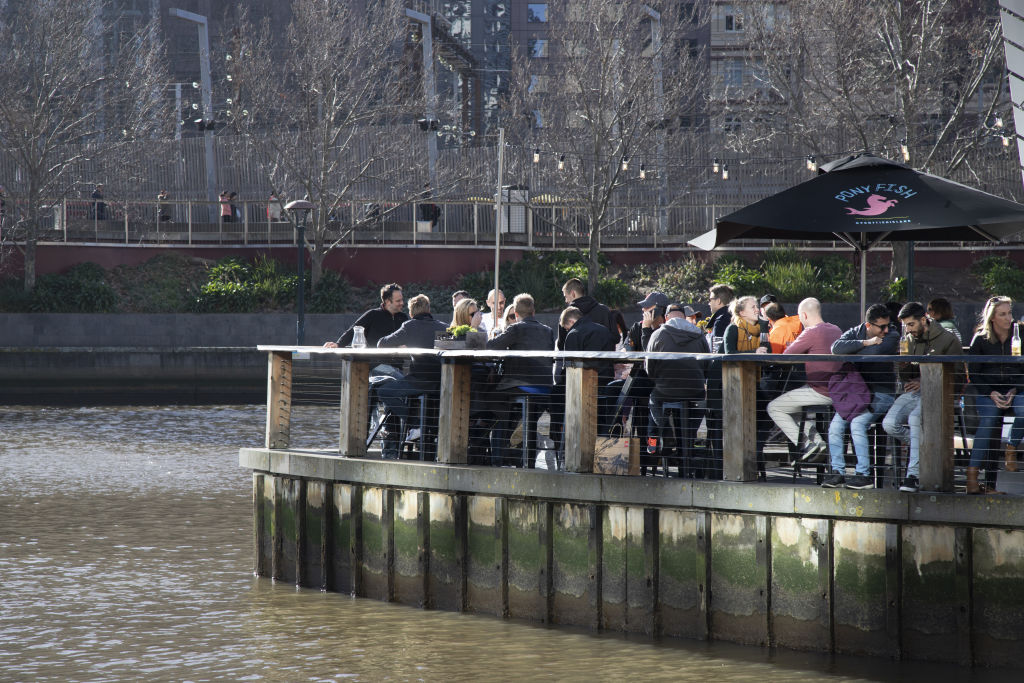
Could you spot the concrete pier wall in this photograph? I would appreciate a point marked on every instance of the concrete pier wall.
(873, 572)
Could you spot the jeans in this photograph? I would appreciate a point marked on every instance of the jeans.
(858, 433)
(783, 408)
(990, 427)
(904, 422)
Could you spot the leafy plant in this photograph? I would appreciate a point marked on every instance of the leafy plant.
(895, 290)
(333, 294)
(732, 271)
(82, 289)
(460, 330)
(1000, 277)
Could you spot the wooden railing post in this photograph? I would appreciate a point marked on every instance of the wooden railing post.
(739, 420)
(453, 420)
(936, 447)
(580, 418)
(279, 399)
(355, 406)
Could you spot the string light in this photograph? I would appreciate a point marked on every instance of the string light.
(998, 122)
(643, 172)
(904, 149)
(561, 163)
(536, 156)
(1006, 140)
(812, 163)
(625, 163)
(716, 165)
(725, 171)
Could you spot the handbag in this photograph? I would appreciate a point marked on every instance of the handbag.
(618, 452)
(849, 392)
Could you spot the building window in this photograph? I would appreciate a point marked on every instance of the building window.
(538, 48)
(537, 12)
(733, 73)
(733, 19)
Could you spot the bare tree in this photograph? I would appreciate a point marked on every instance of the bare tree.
(331, 113)
(920, 78)
(74, 88)
(602, 95)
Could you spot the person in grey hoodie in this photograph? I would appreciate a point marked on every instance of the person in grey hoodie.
(675, 379)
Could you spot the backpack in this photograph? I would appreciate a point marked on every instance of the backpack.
(849, 392)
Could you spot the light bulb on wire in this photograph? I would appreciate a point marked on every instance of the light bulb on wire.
(725, 171)
(561, 163)
(643, 172)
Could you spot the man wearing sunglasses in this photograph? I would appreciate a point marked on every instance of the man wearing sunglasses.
(876, 337)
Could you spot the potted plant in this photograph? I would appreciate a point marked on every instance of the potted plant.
(460, 337)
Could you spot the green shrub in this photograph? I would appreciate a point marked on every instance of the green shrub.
(686, 280)
(166, 283)
(895, 290)
(83, 288)
(234, 286)
(1000, 277)
(542, 275)
(333, 294)
(13, 297)
(732, 271)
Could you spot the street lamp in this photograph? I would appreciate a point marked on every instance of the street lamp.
(300, 208)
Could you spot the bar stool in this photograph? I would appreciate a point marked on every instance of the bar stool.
(685, 434)
(532, 400)
(822, 417)
(425, 405)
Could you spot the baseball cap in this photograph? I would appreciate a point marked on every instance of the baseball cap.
(767, 299)
(654, 299)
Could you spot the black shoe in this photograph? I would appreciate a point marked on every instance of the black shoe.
(833, 481)
(815, 453)
(860, 481)
(910, 484)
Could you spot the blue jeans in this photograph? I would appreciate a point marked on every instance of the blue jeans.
(990, 427)
(858, 432)
(904, 422)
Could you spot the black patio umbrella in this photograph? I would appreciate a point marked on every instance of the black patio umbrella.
(863, 200)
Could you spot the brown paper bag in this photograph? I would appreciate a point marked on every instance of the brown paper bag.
(618, 453)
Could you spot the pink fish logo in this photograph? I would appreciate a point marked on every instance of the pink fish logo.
(877, 205)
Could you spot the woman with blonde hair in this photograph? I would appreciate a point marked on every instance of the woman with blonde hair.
(744, 334)
(467, 312)
(999, 387)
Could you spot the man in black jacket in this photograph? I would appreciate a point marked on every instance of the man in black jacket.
(575, 295)
(378, 322)
(719, 298)
(526, 334)
(582, 335)
(424, 373)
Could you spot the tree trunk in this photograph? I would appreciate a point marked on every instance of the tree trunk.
(593, 261)
(898, 267)
(30, 262)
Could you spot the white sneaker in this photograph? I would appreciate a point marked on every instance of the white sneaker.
(414, 434)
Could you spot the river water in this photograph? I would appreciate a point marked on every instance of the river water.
(126, 554)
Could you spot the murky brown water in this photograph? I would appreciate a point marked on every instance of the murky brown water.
(126, 554)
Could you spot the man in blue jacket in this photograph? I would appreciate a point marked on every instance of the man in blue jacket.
(876, 337)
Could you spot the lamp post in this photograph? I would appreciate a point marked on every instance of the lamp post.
(300, 208)
(207, 95)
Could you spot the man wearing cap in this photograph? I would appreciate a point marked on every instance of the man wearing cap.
(654, 307)
(763, 303)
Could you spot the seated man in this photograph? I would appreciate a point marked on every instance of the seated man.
(817, 338)
(674, 380)
(425, 371)
(525, 334)
(876, 337)
(582, 335)
(904, 417)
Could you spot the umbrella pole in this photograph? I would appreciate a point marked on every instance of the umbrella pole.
(863, 281)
